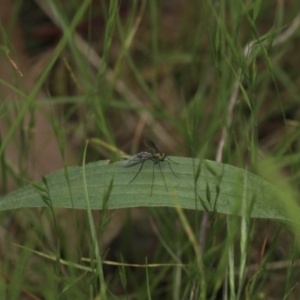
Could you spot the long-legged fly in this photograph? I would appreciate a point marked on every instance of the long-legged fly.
(154, 155)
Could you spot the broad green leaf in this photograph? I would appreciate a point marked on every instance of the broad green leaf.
(218, 187)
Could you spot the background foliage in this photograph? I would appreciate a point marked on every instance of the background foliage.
(215, 80)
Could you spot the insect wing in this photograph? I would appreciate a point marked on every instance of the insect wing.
(149, 144)
(137, 159)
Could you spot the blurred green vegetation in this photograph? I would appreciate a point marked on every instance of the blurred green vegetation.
(204, 79)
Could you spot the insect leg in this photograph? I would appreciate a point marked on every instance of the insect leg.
(171, 160)
(162, 174)
(137, 172)
(152, 181)
(172, 170)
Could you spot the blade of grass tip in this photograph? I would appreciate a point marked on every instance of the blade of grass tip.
(70, 285)
(93, 231)
(43, 191)
(203, 203)
(197, 173)
(208, 195)
(218, 190)
(122, 273)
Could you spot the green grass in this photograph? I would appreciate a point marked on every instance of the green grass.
(179, 74)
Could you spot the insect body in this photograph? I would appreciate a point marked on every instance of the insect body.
(154, 155)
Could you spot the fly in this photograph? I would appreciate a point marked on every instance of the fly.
(154, 155)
